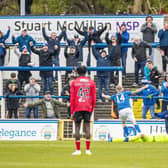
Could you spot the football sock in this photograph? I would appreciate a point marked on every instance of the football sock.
(125, 131)
(137, 128)
(87, 144)
(77, 145)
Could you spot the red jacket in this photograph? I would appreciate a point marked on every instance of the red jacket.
(83, 94)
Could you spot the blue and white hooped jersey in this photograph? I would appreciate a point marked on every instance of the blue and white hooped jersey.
(122, 99)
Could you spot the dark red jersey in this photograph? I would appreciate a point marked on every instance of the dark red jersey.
(83, 94)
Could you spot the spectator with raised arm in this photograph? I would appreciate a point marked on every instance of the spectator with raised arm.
(139, 57)
(54, 45)
(3, 38)
(149, 30)
(23, 40)
(32, 89)
(125, 38)
(48, 106)
(115, 43)
(103, 77)
(24, 60)
(45, 59)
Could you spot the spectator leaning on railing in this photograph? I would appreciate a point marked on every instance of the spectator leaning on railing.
(32, 89)
(48, 106)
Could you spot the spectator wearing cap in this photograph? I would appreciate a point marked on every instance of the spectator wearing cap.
(76, 41)
(53, 42)
(154, 77)
(71, 56)
(23, 40)
(148, 100)
(12, 80)
(32, 89)
(125, 38)
(163, 36)
(115, 43)
(149, 30)
(49, 106)
(3, 38)
(139, 57)
(103, 77)
(24, 60)
(45, 59)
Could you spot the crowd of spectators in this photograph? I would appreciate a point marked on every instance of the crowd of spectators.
(115, 55)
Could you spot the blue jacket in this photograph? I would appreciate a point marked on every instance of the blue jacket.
(125, 39)
(164, 90)
(101, 62)
(151, 90)
(2, 40)
(23, 41)
(163, 36)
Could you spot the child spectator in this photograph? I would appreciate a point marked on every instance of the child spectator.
(12, 80)
(13, 103)
(148, 103)
(32, 89)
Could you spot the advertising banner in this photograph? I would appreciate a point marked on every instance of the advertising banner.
(28, 130)
(33, 24)
(114, 128)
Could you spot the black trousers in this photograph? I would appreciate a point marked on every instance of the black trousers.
(11, 112)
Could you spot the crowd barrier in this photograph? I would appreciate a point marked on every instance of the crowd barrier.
(12, 68)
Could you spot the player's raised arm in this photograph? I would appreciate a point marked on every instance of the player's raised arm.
(106, 96)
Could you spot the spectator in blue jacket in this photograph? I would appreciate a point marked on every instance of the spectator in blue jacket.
(103, 77)
(3, 38)
(124, 50)
(23, 40)
(148, 100)
(54, 45)
(163, 36)
(164, 91)
(147, 70)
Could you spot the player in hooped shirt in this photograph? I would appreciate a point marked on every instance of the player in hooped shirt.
(122, 99)
(83, 100)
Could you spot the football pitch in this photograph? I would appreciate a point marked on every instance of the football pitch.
(105, 155)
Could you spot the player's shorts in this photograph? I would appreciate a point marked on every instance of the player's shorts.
(82, 115)
(126, 114)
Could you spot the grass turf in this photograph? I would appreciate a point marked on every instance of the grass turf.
(105, 155)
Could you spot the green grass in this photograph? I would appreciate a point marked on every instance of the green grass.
(105, 155)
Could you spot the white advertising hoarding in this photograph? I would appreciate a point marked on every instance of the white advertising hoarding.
(28, 130)
(102, 129)
(54, 23)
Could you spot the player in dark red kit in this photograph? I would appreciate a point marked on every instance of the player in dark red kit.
(83, 100)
